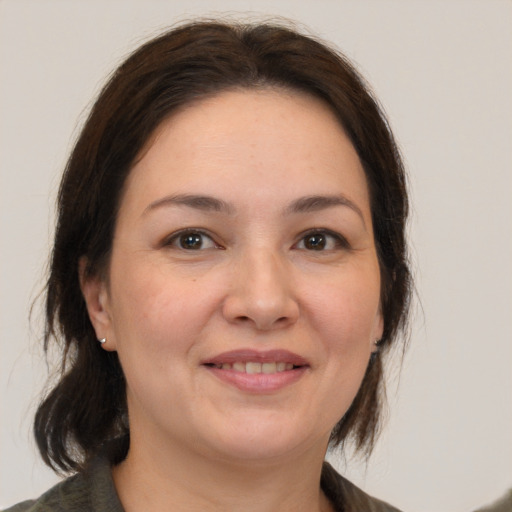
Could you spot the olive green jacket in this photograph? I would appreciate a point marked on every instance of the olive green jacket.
(93, 490)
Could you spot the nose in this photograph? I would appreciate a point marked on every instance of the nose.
(261, 293)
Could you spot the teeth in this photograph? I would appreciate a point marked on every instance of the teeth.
(268, 368)
(239, 367)
(252, 367)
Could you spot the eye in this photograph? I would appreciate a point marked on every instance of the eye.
(191, 240)
(321, 241)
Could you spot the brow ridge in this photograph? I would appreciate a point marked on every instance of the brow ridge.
(207, 203)
(315, 203)
(196, 201)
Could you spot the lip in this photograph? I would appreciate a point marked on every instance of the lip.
(257, 383)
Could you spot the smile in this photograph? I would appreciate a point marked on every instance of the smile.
(256, 367)
(258, 372)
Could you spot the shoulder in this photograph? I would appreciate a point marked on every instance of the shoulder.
(346, 497)
(91, 490)
(504, 504)
(70, 494)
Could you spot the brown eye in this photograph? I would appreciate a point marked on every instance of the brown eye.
(315, 242)
(190, 240)
(322, 241)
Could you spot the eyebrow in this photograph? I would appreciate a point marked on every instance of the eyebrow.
(198, 202)
(316, 203)
(304, 204)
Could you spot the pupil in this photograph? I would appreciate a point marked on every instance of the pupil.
(191, 241)
(315, 242)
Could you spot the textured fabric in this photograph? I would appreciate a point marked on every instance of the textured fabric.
(90, 491)
(94, 490)
(346, 497)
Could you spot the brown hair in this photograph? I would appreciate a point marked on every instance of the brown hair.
(86, 412)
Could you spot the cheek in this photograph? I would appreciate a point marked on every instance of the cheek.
(344, 320)
(154, 328)
(159, 313)
(148, 312)
(346, 313)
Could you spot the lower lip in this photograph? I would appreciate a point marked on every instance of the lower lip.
(259, 382)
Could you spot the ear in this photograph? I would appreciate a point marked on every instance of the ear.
(95, 293)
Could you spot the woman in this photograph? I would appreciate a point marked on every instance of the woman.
(228, 274)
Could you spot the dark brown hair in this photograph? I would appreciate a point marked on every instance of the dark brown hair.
(86, 413)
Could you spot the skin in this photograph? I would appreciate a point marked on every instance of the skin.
(256, 281)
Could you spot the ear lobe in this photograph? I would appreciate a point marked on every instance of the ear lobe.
(378, 331)
(380, 326)
(95, 293)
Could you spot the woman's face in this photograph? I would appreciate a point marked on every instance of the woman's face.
(243, 290)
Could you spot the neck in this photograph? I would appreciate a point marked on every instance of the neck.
(155, 480)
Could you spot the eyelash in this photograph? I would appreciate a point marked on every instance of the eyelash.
(340, 242)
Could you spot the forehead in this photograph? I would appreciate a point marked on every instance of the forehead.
(258, 139)
(251, 117)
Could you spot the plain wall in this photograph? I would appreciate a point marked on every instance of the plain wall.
(442, 70)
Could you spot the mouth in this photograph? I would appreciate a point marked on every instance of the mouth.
(253, 367)
(256, 371)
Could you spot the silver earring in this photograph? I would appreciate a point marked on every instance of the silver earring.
(103, 340)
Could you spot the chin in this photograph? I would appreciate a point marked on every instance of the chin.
(264, 441)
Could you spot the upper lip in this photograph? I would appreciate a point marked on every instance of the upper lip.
(257, 356)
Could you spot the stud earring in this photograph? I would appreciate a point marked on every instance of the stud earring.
(103, 340)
